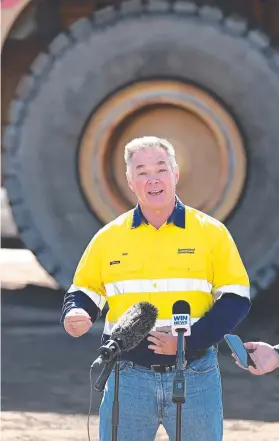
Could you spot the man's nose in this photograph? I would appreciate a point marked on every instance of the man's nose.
(153, 180)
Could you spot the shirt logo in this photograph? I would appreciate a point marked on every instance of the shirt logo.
(186, 250)
(114, 262)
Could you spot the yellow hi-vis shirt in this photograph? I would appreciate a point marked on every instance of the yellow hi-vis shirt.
(191, 257)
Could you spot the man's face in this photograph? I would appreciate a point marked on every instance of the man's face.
(152, 178)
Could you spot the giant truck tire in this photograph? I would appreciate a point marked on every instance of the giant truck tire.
(183, 72)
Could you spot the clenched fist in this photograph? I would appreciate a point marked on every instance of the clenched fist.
(77, 322)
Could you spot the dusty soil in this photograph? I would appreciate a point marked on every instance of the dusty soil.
(45, 373)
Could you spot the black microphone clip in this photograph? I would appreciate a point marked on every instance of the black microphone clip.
(108, 351)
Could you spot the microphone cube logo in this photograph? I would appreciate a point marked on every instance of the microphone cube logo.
(181, 321)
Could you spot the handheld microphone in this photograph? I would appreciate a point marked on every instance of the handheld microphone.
(132, 327)
(181, 319)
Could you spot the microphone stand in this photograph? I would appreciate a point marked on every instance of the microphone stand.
(115, 409)
(179, 383)
(100, 385)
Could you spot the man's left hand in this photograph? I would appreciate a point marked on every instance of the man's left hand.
(163, 343)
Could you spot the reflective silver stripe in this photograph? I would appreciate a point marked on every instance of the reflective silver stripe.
(159, 324)
(157, 285)
(241, 290)
(95, 297)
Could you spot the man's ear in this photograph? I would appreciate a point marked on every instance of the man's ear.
(129, 182)
(176, 174)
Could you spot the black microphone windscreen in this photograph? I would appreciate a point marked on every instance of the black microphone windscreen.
(181, 307)
(134, 325)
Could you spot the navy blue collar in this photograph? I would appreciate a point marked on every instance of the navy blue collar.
(177, 217)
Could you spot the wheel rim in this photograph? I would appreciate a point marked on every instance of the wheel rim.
(209, 148)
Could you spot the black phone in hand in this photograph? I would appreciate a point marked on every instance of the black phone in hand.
(237, 347)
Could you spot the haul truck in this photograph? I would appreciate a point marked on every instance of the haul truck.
(80, 78)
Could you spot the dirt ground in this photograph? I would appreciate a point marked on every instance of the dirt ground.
(45, 373)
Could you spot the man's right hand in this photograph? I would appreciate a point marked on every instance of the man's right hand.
(77, 322)
(264, 357)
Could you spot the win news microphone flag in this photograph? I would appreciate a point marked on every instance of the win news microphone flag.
(181, 318)
(132, 327)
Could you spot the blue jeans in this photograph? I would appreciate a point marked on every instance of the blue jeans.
(145, 402)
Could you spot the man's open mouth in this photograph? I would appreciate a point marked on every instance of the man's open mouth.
(155, 192)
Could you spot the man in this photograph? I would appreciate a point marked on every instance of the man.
(161, 252)
(265, 357)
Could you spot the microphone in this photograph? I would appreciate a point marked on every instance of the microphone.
(181, 326)
(132, 327)
(181, 320)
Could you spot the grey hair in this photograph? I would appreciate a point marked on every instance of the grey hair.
(147, 142)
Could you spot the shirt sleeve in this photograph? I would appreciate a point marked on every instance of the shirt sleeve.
(88, 277)
(229, 273)
(222, 319)
(87, 291)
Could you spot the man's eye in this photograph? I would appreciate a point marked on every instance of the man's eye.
(142, 173)
(162, 170)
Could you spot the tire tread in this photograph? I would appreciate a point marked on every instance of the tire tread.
(42, 65)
